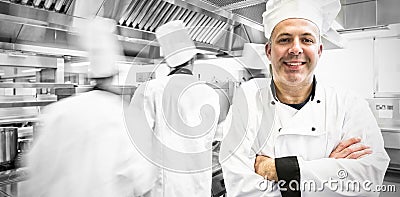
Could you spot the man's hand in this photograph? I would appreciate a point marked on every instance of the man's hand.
(265, 166)
(350, 149)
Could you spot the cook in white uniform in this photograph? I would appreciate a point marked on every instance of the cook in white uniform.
(288, 129)
(181, 115)
(83, 148)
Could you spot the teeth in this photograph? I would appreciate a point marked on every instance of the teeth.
(294, 64)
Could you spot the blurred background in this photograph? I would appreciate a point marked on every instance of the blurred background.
(41, 60)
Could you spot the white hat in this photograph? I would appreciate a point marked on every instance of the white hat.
(254, 56)
(102, 46)
(175, 42)
(320, 12)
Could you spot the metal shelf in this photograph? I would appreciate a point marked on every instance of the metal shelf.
(24, 104)
(13, 176)
(35, 85)
(18, 120)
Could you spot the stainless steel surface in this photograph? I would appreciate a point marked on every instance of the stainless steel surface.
(8, 144)
(387, 114)
(11, 58)
(238, 4)
(392, 139)
(13, 176)
(47, 26)
(50, 23)
(24, 104)
(19, 119)
(394, 155)
(35, 85)
(46, 50)
(358, 14)
(387, 12)
(24, 145)
(25, 108)
(392, 180)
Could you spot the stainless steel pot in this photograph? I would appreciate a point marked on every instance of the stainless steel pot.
(8, 145)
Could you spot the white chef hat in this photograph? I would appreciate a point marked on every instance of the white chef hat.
(102, 46)
(254, 56)
(175, 42)
(320, 12)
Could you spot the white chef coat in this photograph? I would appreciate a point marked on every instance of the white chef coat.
(265, 126)
(172, 106)
(83, 149)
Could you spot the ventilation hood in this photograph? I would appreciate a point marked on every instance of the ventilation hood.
(46, 27)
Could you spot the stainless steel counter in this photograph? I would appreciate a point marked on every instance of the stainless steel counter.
(13, 176)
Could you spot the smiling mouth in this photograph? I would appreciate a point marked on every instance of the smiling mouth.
(294, 65)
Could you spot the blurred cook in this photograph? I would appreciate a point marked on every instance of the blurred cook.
(293, 136)
(83, 148)
(182, 114)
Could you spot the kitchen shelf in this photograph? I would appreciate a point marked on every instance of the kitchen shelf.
(18, 120)
(13, 176)
(35, 85)
(390, 129)
(24, 104)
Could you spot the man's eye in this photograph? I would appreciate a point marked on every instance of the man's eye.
(283, 40)
(308, 41)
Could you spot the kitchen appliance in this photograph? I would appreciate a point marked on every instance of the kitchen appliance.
(387, 114)
(8, 147)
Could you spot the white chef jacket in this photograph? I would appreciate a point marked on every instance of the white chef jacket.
(172, 106)
(262, 125)
(83, 149)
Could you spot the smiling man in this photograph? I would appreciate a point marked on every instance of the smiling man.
(293, 136)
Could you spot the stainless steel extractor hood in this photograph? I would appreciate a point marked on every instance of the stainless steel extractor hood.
(46, 26)
(219, 26)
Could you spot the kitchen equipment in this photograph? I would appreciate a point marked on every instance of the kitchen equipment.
(387, 114)
(8, 147)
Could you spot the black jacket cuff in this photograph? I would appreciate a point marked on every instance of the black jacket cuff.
(288, 172)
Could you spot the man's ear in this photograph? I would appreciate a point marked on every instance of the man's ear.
(268, 50)
(320, 49)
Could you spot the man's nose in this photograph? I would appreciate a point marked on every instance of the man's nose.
(295, 49)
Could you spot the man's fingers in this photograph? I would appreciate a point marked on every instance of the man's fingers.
(352, 149)
(346, 143)
(359, 154)
(348, 151)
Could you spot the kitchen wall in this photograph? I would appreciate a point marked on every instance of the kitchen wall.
(135, 74)
(219, 70)
(369, 55)
(350, 68)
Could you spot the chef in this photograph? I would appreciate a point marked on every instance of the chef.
(293, 130)
(83, 148)
(180, 115)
